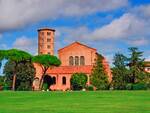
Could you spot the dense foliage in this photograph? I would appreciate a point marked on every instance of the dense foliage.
(78, 81)
(120, 72)
(17, 57)
(128, 73)
(24, 75)
(98, 77)
(2, 80)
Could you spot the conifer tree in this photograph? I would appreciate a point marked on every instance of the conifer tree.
(136, 64)
(120, 72)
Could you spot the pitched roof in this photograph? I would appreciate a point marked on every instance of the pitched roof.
(71, 69)
(74, 44)
(147, 63)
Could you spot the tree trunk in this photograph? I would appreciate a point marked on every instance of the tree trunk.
(14, 82)
(41, 82)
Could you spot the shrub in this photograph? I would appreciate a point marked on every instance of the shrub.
(148, 86)
(45, 87)
(24, 86)
(90, 88)
(78, 81)
(6, 87)
(139, 86)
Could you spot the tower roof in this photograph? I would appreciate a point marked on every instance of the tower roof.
(46, 29)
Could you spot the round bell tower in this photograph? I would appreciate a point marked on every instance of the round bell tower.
(46, 41)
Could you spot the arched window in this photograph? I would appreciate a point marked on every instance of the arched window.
(54, 80)
(82, 60)
(76, 60)
(64, 80)
(71, 61)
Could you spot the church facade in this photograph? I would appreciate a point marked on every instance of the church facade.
(75, 58)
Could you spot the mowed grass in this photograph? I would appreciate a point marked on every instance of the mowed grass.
(75, 102)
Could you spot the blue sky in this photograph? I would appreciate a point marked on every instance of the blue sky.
(110, 26)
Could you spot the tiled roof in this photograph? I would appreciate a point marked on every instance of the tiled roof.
(78, 44)
(71, 69)
(147, 63)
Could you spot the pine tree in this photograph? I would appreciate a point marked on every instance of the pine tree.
(98, 77)
(120, 72)
(136, 64)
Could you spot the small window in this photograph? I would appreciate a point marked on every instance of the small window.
(49, 53)
(48, 46)
(42, 33)
(71, 61)
(48, 33)
(42, 40)
(48, 40)
(76, 60)
(64, 80)
(54, 80)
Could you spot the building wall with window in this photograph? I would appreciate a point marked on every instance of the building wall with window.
(77, 54)
(75, 58)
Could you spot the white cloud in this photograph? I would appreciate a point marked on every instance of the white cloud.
(127, 25)
(27, 44)
(18, 13)
(143, 10)
(139, 42)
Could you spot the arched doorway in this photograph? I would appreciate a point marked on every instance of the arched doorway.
(48, 81)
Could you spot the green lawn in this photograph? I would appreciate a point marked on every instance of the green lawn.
(75, 102)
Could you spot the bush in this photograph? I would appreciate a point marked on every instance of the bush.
(45, 87)
(90, 88)
(148, 86)
(139, 86)
(7, 87)
(78, 81)
(24, 86)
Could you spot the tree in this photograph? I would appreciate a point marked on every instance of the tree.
(2, 56)
(17, 56)
(98, 77)
(78, 81)
(46, 61)
(2, 79)
(136, 64)
(1, 82)
(120, 72)
(25, 73)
